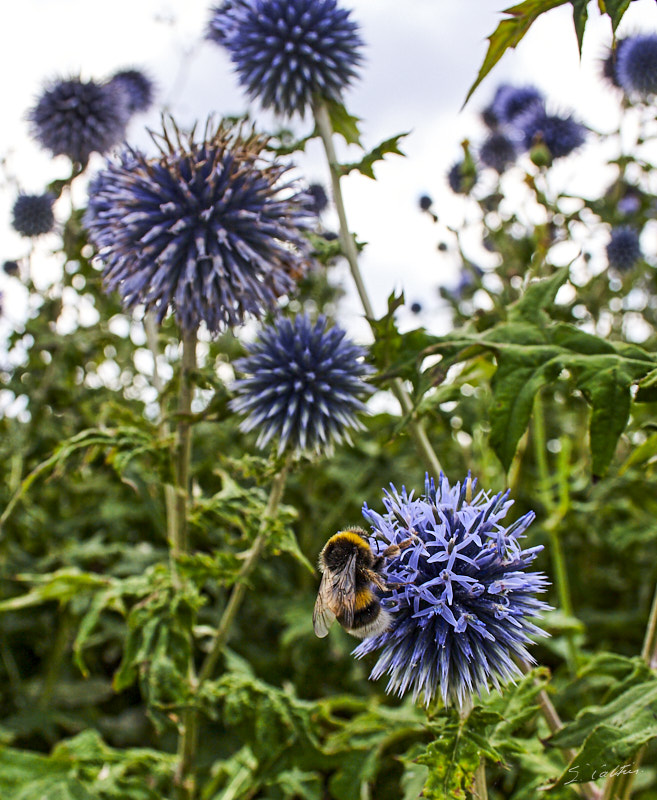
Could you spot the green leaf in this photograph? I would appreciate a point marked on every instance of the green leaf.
(615, 9)
(62, 585)
(366, 165)
(609, 734)
(343, 122)
(580, 18)
(510, 32)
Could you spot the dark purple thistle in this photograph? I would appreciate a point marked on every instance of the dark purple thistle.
(462, 177)
(461, 598)
(624, 249)
(610, 63)
(497, 152)
(32, 214)
(510, 102)
(76, 118)
(304, 385)
(636, 64)
(208, 229)
(560, 134)
(137, 88)
(287, 52)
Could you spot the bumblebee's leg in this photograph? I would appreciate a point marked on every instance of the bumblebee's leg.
(375, 578)
(395, 549)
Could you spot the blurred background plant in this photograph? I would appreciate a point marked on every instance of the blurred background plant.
(139, 662)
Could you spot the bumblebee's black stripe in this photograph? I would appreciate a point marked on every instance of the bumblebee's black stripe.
(364, 616)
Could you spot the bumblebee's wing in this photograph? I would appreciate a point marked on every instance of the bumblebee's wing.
(336, 597)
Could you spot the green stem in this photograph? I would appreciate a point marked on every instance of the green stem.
(422, 443)
(239, 590)
(555, 513)
(184, 778)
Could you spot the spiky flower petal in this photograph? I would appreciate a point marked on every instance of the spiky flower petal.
(76, 118)
(137, 88)
(624, 250)
(285, 52)
(32, 214)
(461, 598)
(303, 385)
(511, 101)
(636, 65)
(207, 228)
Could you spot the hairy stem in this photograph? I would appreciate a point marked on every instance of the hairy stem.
(422, 443)
(177, 524)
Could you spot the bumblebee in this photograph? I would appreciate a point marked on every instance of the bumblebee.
(350, 570)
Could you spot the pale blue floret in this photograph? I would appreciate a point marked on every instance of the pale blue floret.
(460, 598)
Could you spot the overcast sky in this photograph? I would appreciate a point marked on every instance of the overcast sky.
(421, 57)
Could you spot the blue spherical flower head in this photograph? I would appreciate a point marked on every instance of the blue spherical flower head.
(287, 52)
(75, 118)
(561, 135)
(498, 152)
(318, 198)
(32, 214)
(304, 385)
(624, 250)
(511, 101)
(636, 65)
(461, 598)
(137, 89)
(462, 177)
(209, 229)
(609, 66)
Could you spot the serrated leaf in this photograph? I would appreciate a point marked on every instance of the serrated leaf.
(343, 122)
(580, 18)
(510, 32)
(366, 165)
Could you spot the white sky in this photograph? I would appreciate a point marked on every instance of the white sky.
(422, 55)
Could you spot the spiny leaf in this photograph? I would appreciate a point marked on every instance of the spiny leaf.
(510, 32)
(343, 122)
(366, 165)
(615, 9)
(580, 17)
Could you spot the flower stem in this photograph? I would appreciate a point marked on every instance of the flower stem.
(422, 443)
(239, 590)
(184, 778)
(555, 513)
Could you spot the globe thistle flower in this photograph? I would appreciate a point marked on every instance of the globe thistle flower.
(462, 177)
(624, 250)
(32, 214)
(461, 599)
(75, 118)
(511, 101)
(207, 228)
(303, 385)
(636, 65)
(137, 89)
(609, 67)
(11, 268)
(497, 151)
(318, 198)
(285, 52)
(561, 135)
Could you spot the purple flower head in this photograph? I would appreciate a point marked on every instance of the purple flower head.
(286, 52)
(75, 118)
(462, 177)
(624, 250)
(609, 69)
(208, 228)
(461, 598)
(303, 385)
(561, 135)
(137, 88)
(32, 214)
(636, 65)
(498, 152)
(511, 101)
(318, 198)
